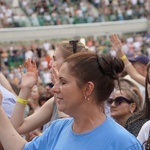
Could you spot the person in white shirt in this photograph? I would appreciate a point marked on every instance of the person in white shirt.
(144, 134)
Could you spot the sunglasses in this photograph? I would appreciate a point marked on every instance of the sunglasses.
(118, 101)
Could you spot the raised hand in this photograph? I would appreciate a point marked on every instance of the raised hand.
(30, 78)
(116, 44)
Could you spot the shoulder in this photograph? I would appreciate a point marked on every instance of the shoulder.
(146, 125)
(117, 135)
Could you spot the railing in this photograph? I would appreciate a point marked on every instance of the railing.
(70, 31)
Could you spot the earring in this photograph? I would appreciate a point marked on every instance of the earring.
(85, 97)
(131, 111)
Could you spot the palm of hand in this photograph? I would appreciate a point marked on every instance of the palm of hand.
(116, 43)
(30, 78)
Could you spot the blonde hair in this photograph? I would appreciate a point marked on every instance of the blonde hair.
(134, 95)
(67, 48)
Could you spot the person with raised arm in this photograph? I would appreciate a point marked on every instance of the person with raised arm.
(48, 112)
(117, 46)
(135, 122)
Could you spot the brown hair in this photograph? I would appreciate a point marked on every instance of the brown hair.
(67, 48)
(145, 112)
(146, 109)
(101, 70)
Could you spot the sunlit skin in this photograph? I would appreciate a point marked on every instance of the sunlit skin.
(71, 100)
(34, 93)
(122, 112)
(57, 59)
(68, 95)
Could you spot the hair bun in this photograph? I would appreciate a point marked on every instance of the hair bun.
(110, 65)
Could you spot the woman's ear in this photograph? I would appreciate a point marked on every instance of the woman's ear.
(88, 89)
(132, 107)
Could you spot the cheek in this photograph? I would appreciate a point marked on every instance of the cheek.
(120, 110)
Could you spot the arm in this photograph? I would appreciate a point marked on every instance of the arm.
(5, 83)
(34, 121)
(117, 46)
(9, 137)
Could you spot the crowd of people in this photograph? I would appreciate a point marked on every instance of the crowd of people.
(118, 111)
(84, 93)
(14, 54)
(54, 12)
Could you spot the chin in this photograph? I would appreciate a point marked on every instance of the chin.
(114, 115)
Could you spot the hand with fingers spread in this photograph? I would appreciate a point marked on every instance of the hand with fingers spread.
(116, 44)
(29, 78)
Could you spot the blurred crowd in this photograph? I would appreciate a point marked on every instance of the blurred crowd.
(14, 54)
(22, 13)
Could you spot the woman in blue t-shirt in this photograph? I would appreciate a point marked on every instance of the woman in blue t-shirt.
(85, 81)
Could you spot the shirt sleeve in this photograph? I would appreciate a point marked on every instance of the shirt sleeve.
(144, 132)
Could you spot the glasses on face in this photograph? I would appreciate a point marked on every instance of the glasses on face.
(118, 101)
(74, 44)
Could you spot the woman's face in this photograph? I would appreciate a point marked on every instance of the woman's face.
(122, 110)
(69, 97)
(34, 93)
(57, 59)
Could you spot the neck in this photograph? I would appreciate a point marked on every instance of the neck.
(122, 120)
(84, 123)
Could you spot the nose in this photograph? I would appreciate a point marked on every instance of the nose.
(113, 104)
(55, 88)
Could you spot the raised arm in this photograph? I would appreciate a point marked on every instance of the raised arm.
(28, 80)
(5, 83)
(117, 46)
(34, 121)
(8, 136)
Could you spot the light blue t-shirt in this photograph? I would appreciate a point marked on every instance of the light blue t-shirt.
(107, 136)
(8, 101)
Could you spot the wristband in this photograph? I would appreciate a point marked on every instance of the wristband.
(22, 101)
(123, 57)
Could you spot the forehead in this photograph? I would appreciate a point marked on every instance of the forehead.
(58, 53)
(64, 69)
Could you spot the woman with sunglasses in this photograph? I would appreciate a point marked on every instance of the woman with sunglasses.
(135, 122)
(123, 103)
(48, 112)
(80, 92)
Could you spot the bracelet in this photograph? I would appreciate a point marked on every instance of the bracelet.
(123, 57)
(127, 65)
(22, 101)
